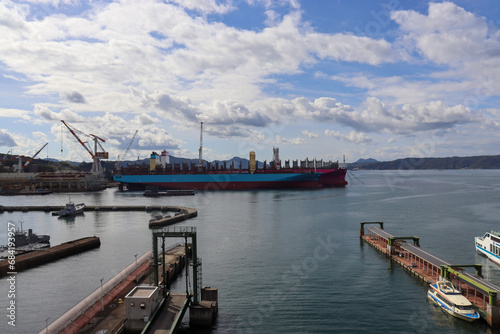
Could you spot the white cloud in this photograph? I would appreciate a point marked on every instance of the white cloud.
(310, 134)
(6, 138)
(293, 141)
(13, 113)
(146, 119)
(354, 137)
(205, 6)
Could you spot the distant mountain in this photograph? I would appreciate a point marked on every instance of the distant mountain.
(365, 161)
(475, 162)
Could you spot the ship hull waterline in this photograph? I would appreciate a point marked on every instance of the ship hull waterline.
(235, 181)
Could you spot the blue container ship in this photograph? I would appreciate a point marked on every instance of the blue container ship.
(166, 176)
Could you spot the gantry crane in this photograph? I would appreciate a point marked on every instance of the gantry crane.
(96, 155)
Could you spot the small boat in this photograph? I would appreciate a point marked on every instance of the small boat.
(24, 242)
(451, 301)
(489, 245)
(70, 209)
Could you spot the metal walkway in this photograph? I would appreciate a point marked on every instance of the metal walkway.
(430, 268)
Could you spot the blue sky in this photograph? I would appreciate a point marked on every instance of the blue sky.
(364, 79)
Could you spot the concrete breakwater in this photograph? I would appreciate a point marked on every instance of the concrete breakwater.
(42, 256)
(146, 208)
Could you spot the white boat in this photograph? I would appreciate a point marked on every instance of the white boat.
(70, 209)
(451, 301)
(489, 245)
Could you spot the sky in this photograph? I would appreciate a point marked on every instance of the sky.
(323, 79)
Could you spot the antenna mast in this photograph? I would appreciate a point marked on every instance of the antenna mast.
(200, 161)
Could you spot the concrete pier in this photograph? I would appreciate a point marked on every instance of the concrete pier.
(146, 208)
(108, 314)
(46, 255)
(430, 268)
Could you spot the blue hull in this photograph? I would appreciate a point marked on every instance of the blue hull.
(222, 181)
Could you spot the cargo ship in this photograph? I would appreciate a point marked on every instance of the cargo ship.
(161, 174)
(206, 177)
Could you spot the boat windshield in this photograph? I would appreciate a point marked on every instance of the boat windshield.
(465, 308)
(446, 287)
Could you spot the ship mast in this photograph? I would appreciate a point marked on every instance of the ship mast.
(200, 160)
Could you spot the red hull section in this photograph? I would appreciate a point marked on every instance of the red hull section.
(333, 178)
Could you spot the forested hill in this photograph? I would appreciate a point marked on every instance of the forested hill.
(476, 162)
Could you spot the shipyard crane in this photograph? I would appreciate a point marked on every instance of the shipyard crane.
(33, 157)
(96, 155)
(126, 150)
(4, 157)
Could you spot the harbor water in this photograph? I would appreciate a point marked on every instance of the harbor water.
(283, 261)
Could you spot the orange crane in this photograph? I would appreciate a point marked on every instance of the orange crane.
(34, 156)
(96, 155)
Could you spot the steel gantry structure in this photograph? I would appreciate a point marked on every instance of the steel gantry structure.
(178, 232)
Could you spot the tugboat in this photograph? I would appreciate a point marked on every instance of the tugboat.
(451, 301)
(71, 209)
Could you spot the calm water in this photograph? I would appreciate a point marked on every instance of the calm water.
(284, 261)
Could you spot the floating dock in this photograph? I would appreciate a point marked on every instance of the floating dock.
(158, 193)
(146, 208)
(430, 268)
(35, 258)
(181, 214)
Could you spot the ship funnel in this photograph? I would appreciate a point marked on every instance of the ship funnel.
(152, 161)
(251, 164)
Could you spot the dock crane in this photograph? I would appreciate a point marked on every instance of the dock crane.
(4, 157)
(96, 155)
(33, 157)
(117, 166)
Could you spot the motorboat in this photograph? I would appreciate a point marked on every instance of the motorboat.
(71, 209)
(489, 245)
(451, 300)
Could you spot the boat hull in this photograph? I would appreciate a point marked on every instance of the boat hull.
(492, 257)
(431, 295)
(236, 180)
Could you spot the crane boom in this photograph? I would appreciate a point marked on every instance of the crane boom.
(34, 156)
(129, 145)
(4, 157)
(77, 138)
(97, 137)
